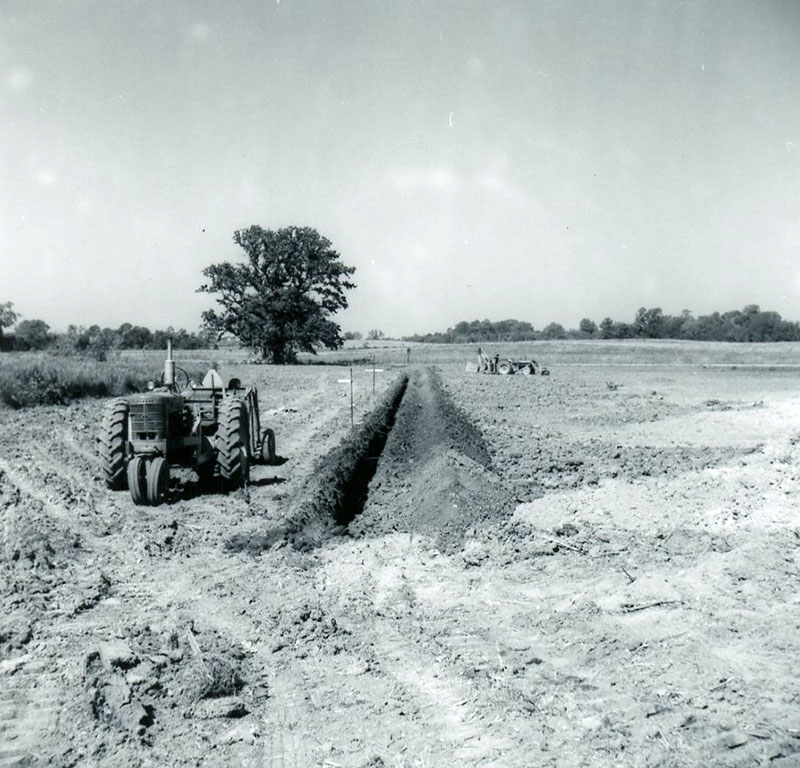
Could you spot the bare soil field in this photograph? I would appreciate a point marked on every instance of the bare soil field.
(598, 568)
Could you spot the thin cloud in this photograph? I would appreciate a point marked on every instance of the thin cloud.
(45, 177)
(19, 79)
(410, 179)
(475, 66)
(199, 32)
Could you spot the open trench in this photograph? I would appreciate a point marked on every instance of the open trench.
(417, 463)
(375, 433)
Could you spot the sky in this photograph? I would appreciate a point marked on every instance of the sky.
(537, 160)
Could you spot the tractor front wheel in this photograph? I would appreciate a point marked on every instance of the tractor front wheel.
(113, 438)
(268, 454)
(157, 480)
(233, 442)
(137, 480)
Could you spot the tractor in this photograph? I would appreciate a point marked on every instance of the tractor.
(506, 366)
(214, 429)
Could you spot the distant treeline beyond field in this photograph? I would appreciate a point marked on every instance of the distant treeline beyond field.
(96, 341)
(747, 325)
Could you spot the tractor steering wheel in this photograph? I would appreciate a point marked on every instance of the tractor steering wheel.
(185, 376)
(187, 380)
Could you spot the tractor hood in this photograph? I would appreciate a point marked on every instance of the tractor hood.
(154, 398)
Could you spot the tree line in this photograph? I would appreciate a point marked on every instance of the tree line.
(97, 342)
(749, 324)
(480, 330)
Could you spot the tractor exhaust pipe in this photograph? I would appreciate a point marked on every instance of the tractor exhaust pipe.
(169, 367)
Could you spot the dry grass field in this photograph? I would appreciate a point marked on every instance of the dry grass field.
(576, 352)
(599, 568)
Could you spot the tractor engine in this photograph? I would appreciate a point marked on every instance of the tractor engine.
(157, 420)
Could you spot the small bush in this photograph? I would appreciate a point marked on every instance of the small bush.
(214, 677)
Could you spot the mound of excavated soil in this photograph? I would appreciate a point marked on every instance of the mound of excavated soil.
(435, 473)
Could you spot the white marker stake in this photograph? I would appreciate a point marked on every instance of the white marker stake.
(351, 397)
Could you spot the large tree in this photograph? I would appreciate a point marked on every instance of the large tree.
(280, 300)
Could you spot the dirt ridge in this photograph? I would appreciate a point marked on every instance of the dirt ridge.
(435, 475)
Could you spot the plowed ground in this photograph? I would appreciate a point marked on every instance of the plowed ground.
(595, 568)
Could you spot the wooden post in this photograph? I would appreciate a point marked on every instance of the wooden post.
(351, 396)
(373, 374)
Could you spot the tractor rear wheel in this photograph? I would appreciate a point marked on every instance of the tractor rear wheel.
(157, 480)
(137, 480)
(268, 447)
(505, 368)
(233, 442)
(113, 438)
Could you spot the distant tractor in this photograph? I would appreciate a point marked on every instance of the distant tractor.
(214, 429)
(506, 366)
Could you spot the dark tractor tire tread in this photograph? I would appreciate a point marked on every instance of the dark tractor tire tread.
(255, 424)
(137, 480)
(233, 442)
(157, 481)
(113, 438)
(268, 454)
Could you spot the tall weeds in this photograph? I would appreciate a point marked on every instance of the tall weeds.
(27, 380)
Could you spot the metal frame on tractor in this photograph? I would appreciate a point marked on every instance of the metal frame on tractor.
(506, 366)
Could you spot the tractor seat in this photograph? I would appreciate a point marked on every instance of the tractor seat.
(235, 384)
(212, 380)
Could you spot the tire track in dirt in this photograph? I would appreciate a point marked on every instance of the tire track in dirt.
(39, 544)
(284, 735)
(74, 606)
(465, 720)
(20, 479)
(30, 702)
(384, 588)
